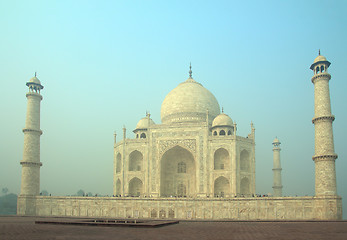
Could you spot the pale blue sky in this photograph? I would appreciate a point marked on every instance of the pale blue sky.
(104, 63)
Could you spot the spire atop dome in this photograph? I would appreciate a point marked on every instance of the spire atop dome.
(190, 70)
(319, 52)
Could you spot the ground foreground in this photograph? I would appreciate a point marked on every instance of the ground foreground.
(14, 227)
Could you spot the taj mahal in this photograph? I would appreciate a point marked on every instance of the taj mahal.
(195, 152)
(192, 165)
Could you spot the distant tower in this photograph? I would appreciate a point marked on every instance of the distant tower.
(31, 164)
(277, 187)
(324, 158)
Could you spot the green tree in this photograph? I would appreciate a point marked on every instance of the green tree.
(4, 190)
(80, 192)
(44, 193)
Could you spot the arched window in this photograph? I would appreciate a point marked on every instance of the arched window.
(143, 135)
(137, 135)
(322, 68)
(181, 167)
(222, 132)
(229, 132)
(215, 133)
(317, 69)
(181, 190)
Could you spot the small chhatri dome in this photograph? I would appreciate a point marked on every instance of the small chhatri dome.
(276, 142)
(222, 120)
(34, 84)
(189, 102)
(144, 123)
(35, 80)
(319, 59)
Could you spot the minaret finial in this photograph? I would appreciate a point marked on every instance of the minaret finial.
(319, 52)
(35, 74)
(190, 70)
(222, 110)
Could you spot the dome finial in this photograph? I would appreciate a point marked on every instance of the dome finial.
(35, 74)
(319, 52)
(190, 70)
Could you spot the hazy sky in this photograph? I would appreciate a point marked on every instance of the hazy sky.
(104, 63)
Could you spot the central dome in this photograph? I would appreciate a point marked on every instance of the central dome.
(189, 102)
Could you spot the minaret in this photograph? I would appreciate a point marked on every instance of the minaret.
(277, 187)
(324, 157)
(30, 186)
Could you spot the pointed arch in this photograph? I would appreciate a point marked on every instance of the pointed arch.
(135, 187)
(172, 172)
(221, 187)
(221, 159)
(143, 135)
(135, 161)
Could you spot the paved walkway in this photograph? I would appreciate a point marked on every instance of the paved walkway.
(14, 227)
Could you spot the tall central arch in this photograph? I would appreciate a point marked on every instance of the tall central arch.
(177, 173)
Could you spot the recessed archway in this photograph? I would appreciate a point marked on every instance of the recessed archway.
(172, 177)
(221, 159)
(135, 161)
(135, 187)
(221, 187)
